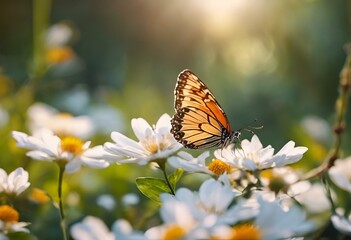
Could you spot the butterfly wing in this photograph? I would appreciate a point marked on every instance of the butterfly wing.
(199, 121)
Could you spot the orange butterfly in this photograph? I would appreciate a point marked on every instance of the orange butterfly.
(199, 121)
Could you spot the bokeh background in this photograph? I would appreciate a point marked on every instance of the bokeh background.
(274, 61)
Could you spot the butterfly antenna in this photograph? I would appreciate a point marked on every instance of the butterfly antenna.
(251, 128)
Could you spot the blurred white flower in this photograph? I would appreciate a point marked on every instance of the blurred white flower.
(4, 117)
(130, 199)
(48, 147)
(252, 156)
(106, 119)
(341, 223)
(178, 223)
(272, 223)
(340, 173)
(314, 199)
(9, 221)
(75, 100)
(285, 180)
(14, 183)
(106, 201)
(123, 230)
(213, 203)
(317, 128)
(155, 142)
(42, 115)
(59, 34)
(93, 228)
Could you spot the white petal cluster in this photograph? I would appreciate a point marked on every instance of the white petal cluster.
(14, 183)
(154, 142)
(253, 156)
(46, 146)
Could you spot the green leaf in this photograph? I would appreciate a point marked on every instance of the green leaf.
(152, 187)
(175, 176)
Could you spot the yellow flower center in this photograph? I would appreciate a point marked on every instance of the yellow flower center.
(59, 54)
(219, 167)
(245, 232)
(72, 144)
(8, 214)
(174, 232)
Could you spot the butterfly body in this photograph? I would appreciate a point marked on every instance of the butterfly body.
(199, 121)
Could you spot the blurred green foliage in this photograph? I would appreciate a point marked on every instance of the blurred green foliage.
(274, 61)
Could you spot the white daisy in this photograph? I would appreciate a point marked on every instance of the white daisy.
(178, 222)
(9, 221)
(154, 143)
(254, 157)
(14, 183)
(340, 173)
(93, 228)
(42, 115)
(271, 223)
(69, 150)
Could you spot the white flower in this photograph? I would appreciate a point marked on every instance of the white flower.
(318, 128)
(179, 222)
(154, 143)
(340, 173)
(252, 156)
(282, 224)
(342, 223)
(123, 230)
(285, 180)
(42, 115)
(48, 147)
(14, 183)
(189, 163)
(314, 199)
(93, 228)
(9, 221)
(130, 199)
(106, 201)
(271, 223)
(213, 201)
(106, 118)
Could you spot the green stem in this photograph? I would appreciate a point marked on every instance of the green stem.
(340, 125)
(162, 166)
(62, 214)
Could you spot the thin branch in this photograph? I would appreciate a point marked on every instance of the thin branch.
(340, 124)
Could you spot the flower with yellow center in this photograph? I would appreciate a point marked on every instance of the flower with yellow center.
(174, 232)
(70, 151)
(245, 232)
(9, 220)
(62, 124)
(8, 214)
(155, 142)
(253, 156)
(219, 167)
(240, 232)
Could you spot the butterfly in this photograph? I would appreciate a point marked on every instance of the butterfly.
(199, 121)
